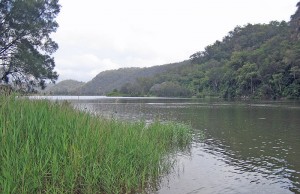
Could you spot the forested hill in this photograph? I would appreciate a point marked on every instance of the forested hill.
(107, 81)
(260, 61)
(66, 87)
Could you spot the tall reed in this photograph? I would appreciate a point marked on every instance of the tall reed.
(48, 147)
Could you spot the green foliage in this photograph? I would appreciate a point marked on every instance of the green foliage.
(131, 89)
(128, 81)
(51, 148)
(25, 43)
(295, 23)
(66, 87)
(169, 89)
(115, 93)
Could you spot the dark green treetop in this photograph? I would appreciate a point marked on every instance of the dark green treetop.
(25, 43)
(295, 23)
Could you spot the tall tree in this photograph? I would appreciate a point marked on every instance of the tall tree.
(295, 22)
(25, 43)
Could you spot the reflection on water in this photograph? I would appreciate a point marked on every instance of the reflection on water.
(249, 147)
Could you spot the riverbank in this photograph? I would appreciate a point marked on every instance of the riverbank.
(49, 147)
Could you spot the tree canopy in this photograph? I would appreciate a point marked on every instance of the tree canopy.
(25, 43)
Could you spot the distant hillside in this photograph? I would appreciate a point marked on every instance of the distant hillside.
(107, 81)
(66, 87)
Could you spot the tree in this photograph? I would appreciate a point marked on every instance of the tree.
(295, 23)
(247, 77)
(25, 43)
(295, 71)
(169, 89)
(131, 89)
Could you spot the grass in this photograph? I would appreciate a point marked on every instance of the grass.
(48, 147)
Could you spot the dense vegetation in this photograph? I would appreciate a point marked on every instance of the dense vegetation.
(111, 81)
(26, 46)
(51, 148)
(260, 61)
(107, 81)
(66, 87)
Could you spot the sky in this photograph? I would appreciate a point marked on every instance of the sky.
(98, 35)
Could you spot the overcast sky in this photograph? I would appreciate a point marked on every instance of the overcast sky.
(98, 35)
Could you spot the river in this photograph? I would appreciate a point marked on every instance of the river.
(247, 147)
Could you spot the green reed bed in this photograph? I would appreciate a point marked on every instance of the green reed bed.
(48, 147)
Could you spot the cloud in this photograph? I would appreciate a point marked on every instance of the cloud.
(83, 67)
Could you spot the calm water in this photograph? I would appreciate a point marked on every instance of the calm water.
(249, 147)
